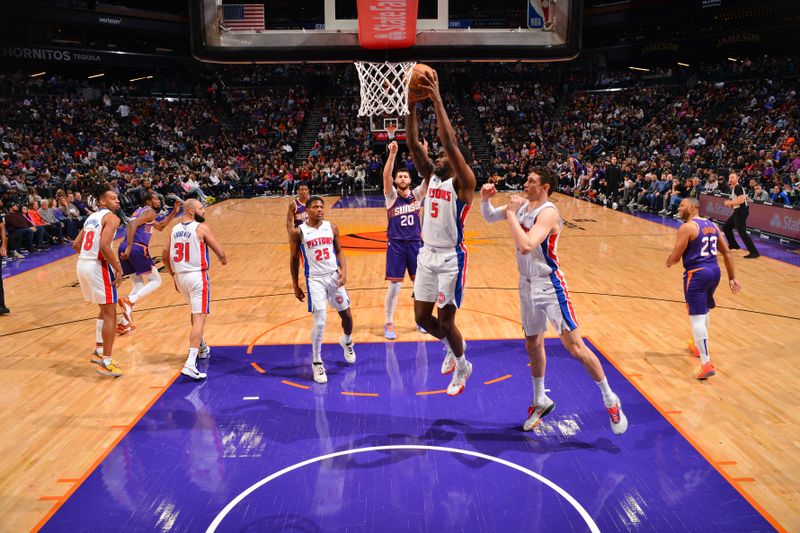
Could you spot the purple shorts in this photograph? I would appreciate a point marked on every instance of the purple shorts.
(138, 262)
(402, 256)
(698, 289)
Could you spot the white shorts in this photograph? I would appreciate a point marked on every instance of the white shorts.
(97, 281)
(543, 300)
(324, 289)
(196, 289)
(441, 275)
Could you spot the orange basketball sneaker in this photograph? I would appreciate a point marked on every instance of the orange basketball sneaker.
(693, 348)
(706, 371)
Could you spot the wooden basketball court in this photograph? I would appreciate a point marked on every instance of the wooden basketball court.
(60, 418)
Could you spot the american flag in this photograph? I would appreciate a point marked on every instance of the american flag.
(243, 17)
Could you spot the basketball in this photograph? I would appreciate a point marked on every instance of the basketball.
(415, 90)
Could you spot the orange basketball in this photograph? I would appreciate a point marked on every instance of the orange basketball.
(415, 92)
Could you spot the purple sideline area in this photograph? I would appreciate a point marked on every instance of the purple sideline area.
(202, 444)
(360, 201)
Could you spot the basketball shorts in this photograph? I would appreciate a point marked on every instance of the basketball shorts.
(325, 289)
(196, 290)
(97, 281)
(401, 256)
(139, 262)
(698, 289)
(543, 300)
(441, 275)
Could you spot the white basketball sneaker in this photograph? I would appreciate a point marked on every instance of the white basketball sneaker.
(619, 422)
(319, 373)
(459, 380)
(537, 412)
(193, 373)
(449, 363)
(349, 352)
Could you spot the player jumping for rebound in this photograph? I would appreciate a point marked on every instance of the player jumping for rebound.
(317, 240)
(403, 231)
(535, 227)
(697, 244)
(442, 261)
(135, 259)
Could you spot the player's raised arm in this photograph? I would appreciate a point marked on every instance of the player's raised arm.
(527, 242)
(682, 241)
(159, 225)
(464, 179)
(337, 249)
(489, 212)
(295, 237)
(419, 155)
(388, 168)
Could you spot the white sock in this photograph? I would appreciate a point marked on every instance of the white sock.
(138, 284)
(153, 283)
(317, 332)
(348, 339)
(700, 333)
(203, 345)
(605, 389)
(392, 292)
(106, 361)
(98, 335)
(461, 363)
(446, 343)
(191, 361)
(538, 390)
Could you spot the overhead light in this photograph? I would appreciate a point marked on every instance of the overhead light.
(141, 78)
(640, 69)
(683, 64)
(38, 74)
(733, 59)
(96, 76)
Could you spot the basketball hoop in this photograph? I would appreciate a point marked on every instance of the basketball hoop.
(384, 87)
(390, 129)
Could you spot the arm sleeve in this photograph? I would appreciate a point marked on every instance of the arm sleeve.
(491, 214)
(390, 198)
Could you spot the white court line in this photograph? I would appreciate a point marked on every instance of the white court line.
(563, 493)
(250, 398)
(547, 390)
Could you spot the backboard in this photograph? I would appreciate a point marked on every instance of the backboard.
(296, 31)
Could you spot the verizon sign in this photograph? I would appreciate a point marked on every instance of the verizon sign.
(769, 218)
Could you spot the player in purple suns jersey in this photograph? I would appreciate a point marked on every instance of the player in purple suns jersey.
(403, 231)
(134, 256)
(698, 243)
(442, 261)
(297, 209)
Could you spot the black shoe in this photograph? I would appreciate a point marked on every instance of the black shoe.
(4, 310)
(752, 256)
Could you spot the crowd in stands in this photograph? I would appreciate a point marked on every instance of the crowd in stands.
(647, 144)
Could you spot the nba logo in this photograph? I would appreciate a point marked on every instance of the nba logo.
(440, 299)
(541, 14)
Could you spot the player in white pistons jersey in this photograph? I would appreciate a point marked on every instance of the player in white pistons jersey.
(317, 241)
(535, 226)
(442, 261)
(99, 273)
(186, 259)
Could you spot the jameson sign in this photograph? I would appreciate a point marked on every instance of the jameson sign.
(766, 217)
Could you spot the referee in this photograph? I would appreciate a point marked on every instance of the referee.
(738, 218)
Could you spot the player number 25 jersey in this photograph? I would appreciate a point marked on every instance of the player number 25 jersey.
(444, 215)
(188, 252)
(92, 229)
(317, 248)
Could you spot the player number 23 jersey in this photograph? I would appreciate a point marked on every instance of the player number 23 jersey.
(317, 247)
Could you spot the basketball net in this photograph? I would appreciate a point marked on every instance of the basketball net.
(384, 87)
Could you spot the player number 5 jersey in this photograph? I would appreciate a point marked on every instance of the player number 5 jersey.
(317, 247)
(189, 252)
(444, 215)
(92, 229)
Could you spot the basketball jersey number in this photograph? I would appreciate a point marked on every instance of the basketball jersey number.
(322, 254)
(434, 210)
(88, 240)
(709, 246)
(181, 252)
(408, 220)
